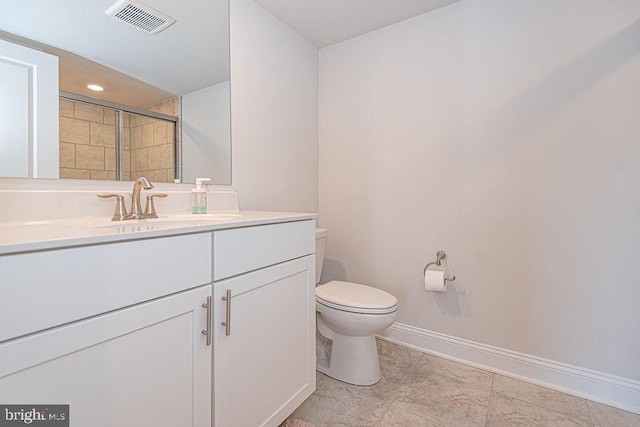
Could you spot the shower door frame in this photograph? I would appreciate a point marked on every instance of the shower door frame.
(120, 109)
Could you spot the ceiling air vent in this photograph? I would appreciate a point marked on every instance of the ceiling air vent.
(140, 16)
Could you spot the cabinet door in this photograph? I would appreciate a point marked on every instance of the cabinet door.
(265, 367)
(146, 365)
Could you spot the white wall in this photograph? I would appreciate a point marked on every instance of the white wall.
(274, 112)
(206, 134)
(506, 133)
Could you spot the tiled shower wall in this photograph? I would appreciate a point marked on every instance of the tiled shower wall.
(152, 143)
(88, 142)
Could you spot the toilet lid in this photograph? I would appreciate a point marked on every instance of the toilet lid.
(355, 297)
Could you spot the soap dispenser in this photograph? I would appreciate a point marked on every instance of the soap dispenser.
(199, 196)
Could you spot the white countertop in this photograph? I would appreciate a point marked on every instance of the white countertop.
(17, 237)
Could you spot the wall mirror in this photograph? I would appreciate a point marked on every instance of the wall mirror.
(165, 109)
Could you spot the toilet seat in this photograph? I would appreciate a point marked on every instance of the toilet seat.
(355, 298)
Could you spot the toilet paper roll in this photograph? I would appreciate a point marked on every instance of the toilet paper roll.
(434, 281)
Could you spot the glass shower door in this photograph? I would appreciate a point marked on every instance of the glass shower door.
(148, 148)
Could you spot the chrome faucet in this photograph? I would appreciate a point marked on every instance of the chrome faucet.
(136, 208)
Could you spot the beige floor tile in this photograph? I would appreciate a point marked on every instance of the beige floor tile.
(573, 406)
(313, 409)
(294, 422)
(394, 370)
(465, 373)
(335, 403)
(607, 416)
(397, 352)
(419, 390)
(444, 399)
(396, 417)
(507, 411)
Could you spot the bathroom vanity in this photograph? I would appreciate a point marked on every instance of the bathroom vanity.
(185, 321)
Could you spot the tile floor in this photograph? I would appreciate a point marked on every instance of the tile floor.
(421, 390)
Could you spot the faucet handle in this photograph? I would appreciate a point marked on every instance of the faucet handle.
(150, 208)
(121, 210)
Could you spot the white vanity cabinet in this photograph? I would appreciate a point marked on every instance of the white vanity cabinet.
(264, 335)
(114, 330)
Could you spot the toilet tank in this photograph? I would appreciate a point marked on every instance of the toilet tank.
(321, 240)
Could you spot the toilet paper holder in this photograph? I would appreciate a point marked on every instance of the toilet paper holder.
(440, 255)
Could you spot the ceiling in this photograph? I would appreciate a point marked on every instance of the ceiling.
(191, 54)
(327, 22)
(75, 72)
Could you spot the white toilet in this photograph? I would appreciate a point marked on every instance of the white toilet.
(347, 317)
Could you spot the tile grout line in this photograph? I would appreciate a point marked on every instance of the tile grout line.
(402, 384)
(593, 421)
(570, 416)
(413, 368)
(486, 415)
(493, 392)
(542, 406)
(416, 362)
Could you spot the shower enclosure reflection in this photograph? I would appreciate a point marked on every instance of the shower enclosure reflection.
(106, 141)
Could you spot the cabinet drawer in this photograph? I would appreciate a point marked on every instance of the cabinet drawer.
(45, 289)
(245, 249)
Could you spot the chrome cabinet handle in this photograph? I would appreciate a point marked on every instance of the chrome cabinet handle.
(121, 211)
(207, 330)
(227, 321)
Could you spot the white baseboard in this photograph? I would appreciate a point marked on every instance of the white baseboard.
(609, 389)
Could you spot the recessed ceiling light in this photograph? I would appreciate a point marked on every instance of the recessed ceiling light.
(97, 88)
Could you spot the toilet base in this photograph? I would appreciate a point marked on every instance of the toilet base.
(353, 360)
